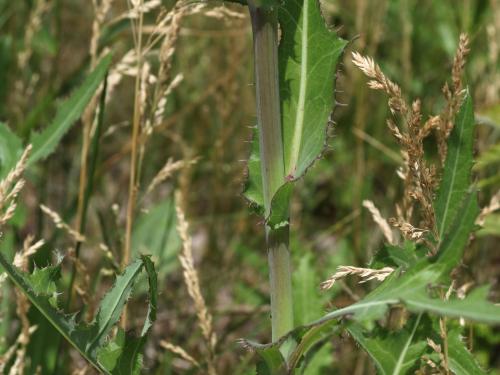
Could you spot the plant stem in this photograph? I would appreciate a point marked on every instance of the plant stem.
(265, 33)
(133, 182)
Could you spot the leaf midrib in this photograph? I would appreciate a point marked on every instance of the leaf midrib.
(299, 116)
(455, 165)
(402, 355)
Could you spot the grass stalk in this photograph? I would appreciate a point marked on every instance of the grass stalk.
(133, 185)
(132, 191)
(265, 33)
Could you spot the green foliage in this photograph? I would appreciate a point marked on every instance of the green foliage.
(414, 283)
(44, 143)
(89, 339)
(308, 55)
(155, 233)
(393, 352)
(457, 171)
(461, 361)
(11, 149)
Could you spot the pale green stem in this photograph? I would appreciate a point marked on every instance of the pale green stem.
(265, 33)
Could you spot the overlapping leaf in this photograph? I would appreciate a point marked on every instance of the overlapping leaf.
(89, 339)
(308, 56)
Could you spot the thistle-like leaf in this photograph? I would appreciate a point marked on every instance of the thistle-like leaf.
(308, 55)
(88, 339)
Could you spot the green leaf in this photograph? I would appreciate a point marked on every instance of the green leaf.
(44, 143)
(11, 149)
(474, 307)
(155, 233)
(457, 168)
(308, 55)
(395, 256)
(409, 287)
(393, 352)
(88, 339)
(270, 360)
(461, 361)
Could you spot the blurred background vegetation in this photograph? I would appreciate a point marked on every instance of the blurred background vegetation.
(44, 54)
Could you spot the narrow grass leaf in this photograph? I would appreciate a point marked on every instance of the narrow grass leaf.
(457, 169)
(69, 112)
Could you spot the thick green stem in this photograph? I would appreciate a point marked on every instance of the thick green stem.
(280, 281)
(265, 33)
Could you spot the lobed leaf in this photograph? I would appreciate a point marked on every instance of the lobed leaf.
(89, 339)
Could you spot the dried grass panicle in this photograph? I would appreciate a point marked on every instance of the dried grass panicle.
(167, 170)
(21, 260)
(34, 24)
(366, 275)
(11, 186)
(381, 222)
(193, 285)
(380, 82)
(59, 223)
(453, 96)
(179, 351)
(409, 231)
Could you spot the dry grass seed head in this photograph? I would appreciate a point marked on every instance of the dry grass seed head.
(192, 283)
(366, 274)
(180, 352)
(11, 186)
(381, 222)
(59, 223)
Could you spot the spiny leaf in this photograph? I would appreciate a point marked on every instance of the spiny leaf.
(461, 361)
(44, 143)
(11, 149)
(112, 305)
(87, 339)
(474, 307)
(457, 168)
(123, 355)
(308, 55)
